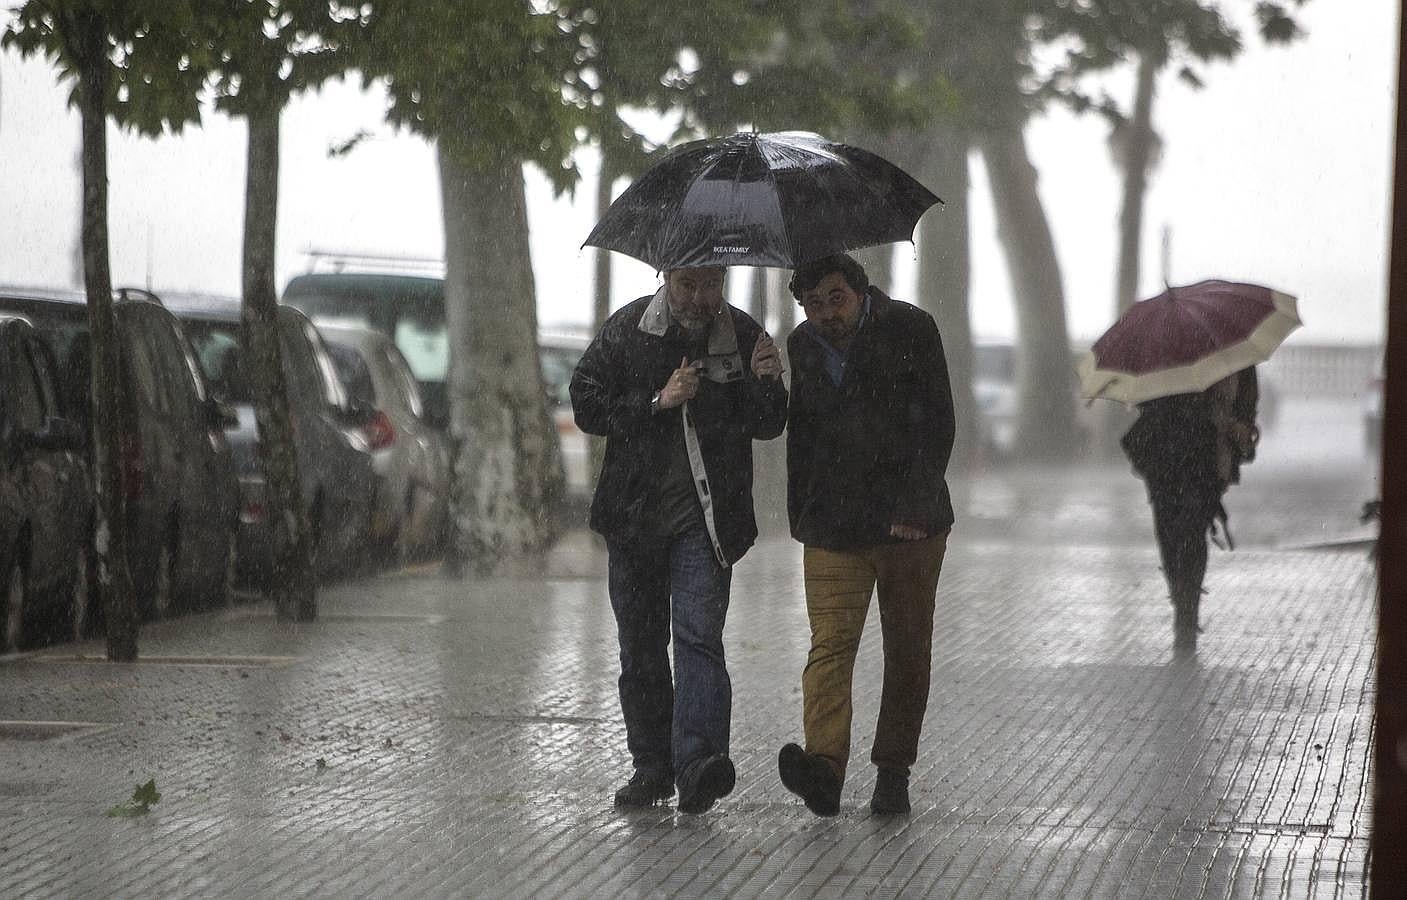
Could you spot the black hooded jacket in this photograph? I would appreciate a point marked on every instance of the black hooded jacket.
(611, 391)
(872, 452)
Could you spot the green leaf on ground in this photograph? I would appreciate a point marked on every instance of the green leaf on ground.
(142, 800)
(321, 764)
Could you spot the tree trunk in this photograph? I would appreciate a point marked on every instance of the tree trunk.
(1134, 147)
(109, 435)
(605, 184)
(509, 483)
(1135, 157)
(602, 285)
(944, 276)
(294, 582)
(1045, 428)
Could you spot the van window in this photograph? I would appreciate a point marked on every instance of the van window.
(425, 346)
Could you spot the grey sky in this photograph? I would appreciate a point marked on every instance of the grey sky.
(1278, 172)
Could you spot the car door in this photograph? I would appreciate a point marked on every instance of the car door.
(34, 479)
(205, 506)
(151, 459)
(327, 445)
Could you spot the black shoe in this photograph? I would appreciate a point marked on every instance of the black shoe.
(891, 793)
(811, 778)
(704, 781)
(645, 789)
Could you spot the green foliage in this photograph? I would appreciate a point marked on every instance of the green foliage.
(154, 76)
(1103, 34)
(535, 79)
(487, 78)
(261, 52)
(139, 804)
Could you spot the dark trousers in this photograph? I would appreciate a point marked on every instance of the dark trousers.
(838, 589)
(1180, 522)
(671, 587)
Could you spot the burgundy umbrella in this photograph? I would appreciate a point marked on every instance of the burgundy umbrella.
(1186, 339)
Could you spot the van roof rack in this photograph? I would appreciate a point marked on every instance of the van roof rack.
(132, 293)
(342, 260)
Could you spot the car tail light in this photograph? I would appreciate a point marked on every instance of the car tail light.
(380, 433)
(252, 512)
(134, 471)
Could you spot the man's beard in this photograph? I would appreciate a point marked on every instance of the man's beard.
(694, 322)
(837, 333)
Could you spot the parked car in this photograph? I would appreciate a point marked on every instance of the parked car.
(411, 310)
(560, 353)
(45, 496)
(177, 469)
(334, 459)
(410, 458)
(994, 392)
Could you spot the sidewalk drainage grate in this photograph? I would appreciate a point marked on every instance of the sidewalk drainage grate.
(528, 720)
(17, 730)
(1269, 828)
(394, 618)
(227, 662)
(19, 790)
(389, 618)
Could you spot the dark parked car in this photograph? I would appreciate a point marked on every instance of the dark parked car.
(45, 496)
(177, 471)
(329, 432)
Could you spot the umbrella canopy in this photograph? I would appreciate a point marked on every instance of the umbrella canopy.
(1186, 339)
(761, 200)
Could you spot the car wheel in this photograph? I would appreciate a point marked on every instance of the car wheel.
(164, 584)
(78, 595)
(13, 624)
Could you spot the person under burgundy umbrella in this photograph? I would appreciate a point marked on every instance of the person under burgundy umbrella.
(1187, 359)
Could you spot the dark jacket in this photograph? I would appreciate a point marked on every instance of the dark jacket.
(1175, 442)
(872, 452)
(611, 390)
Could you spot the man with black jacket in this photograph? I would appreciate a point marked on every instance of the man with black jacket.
(666, 382)
(870, 430)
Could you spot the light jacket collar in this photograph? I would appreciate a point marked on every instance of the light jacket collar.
(722, 339)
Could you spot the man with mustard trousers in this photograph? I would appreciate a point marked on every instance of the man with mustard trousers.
(870, 429)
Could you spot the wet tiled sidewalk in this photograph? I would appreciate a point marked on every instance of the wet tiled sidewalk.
(435, 738)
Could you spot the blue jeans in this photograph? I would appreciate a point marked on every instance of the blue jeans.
(675, 584)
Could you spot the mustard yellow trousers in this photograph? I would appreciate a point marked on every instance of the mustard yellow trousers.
(839, 585)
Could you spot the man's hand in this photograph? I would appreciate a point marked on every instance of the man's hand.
(766, 358)
(682, 385)
(907, 532)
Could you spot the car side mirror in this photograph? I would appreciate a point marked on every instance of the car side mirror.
(221, 415)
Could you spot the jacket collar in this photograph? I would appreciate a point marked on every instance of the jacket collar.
(722, 339)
